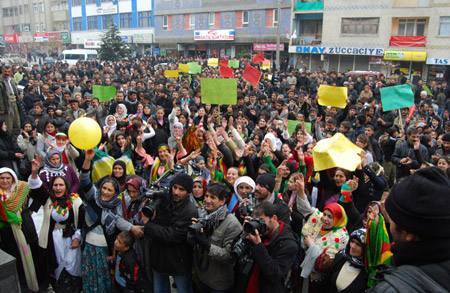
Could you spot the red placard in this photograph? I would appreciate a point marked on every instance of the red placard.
(252, 75)
(258, 58)
(223, 63)
(226, 72)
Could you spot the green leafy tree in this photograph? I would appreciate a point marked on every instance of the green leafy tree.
(113, 47)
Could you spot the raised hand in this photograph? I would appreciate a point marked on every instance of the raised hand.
(35, 165)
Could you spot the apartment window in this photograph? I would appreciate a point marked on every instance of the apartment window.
(165, 22)
(275, 17)
(145, 19)
(37, 27)
(310, 27)
(11, 11)
(25, 8)
(359, 26)
(43, 27)
(125, 20)
(25, 27)
(191, 21)
(244, 18)
(41, 7)
(16, 11)
(76, 2)
(77, 23)
(106, 21)
(5, 12)
(444, 27)
(91, 1)
(411, 27)
(92, 22)
(20, 10)
(211, 19)
(106, 0)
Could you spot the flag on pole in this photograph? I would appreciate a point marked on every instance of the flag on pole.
(252, 75)
(258, 58)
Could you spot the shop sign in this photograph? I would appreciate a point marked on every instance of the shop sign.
(40, 37)
(107, 9)
(92, 43)
(163, 52)
(156, 51)
(337, 50)
(127, 39)
(201, 47)
(405, 55)
(214, 35)
(143, 38)
(54, 36)
(26, 39)
(11, 38)
(65, 37)
(267, 47)
(375, 59)
(438, 61)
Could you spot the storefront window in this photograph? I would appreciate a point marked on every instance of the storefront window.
(346, 63)
(361, 63)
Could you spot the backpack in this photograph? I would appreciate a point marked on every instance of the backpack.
(413, 279)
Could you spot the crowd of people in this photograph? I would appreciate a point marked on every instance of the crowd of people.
(221, 198)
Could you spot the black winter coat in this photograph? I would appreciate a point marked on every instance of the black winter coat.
(170, 252)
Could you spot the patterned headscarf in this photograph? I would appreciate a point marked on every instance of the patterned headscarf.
(52, 169)
(340, 217)
(359, 235)
(133, 213)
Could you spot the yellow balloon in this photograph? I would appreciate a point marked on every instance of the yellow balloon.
(85, 133)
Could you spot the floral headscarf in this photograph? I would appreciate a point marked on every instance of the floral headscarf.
(359, 235)
(340, 217)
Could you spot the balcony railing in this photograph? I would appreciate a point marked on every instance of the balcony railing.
(411, 3)
(307, 41)
(300, 6)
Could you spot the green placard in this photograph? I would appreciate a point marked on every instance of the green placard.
(219, 91)
(293, 123)
(233, 63)
(397, 97)
(194, 68)
(103, 93)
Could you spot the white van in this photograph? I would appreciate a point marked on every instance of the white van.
(72, 56)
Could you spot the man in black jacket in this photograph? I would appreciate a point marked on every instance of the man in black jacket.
(273, 253)
(419, 221)
(264, 193)
(170, 254)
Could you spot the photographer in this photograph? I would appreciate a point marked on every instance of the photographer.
(265, 185)
(212, 238)
(170, 254)
(273, 252)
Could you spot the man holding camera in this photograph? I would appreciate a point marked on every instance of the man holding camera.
(264, 193)
(170, 254)
(212, 238)
(273, 252)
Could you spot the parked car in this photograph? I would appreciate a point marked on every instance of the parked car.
(50, 60)
(13, 58)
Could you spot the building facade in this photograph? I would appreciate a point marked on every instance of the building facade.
(388, 36)
(89, 19)
(34, 24)
(225, 28)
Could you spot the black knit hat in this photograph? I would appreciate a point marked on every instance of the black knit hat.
(266, 180)
(420, 204)
(184, 180)
(446, 137)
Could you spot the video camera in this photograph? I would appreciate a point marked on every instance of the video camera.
(197, 227)
(243, 245)
(246, 210)
(158, 190)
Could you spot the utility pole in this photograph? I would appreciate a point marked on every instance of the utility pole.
(278, 35)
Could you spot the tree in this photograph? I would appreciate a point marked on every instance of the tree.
(113, 47)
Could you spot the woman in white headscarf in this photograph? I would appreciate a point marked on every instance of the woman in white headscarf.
(110, 125)
(121, 113)
(242, 187)
(15, 225)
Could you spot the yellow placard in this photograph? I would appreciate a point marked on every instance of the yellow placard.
(183, 68)
(171, 73)
(337, 151)
(213, 62)
(265, 66)
(334, 96)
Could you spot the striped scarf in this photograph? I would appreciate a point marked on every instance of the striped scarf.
(10, 208)
(156, 166)
(378, 247)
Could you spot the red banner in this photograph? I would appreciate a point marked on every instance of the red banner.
(11, 38)
(408, 41)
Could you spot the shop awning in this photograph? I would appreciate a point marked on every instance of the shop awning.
(405, 55)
